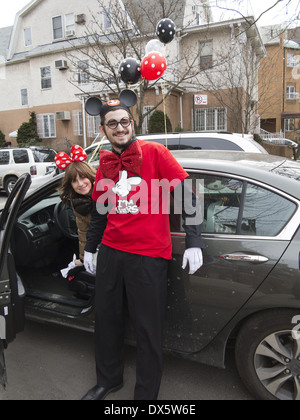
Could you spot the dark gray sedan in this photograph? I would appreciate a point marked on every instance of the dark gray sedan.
(246, 295)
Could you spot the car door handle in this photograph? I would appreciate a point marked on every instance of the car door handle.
(245, 258)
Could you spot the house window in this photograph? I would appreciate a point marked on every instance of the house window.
(27, 37)
(93, 126)
(146, 109)
(57, 25)
(293, 60)
(24, 97)
(107, 24)
(70, 23)
(206, 55)
(63, 26)
(46, 81)
(83, 76)
(291, 92)
(211, 119)
(46, 126)
(77, 123)
(289, 124)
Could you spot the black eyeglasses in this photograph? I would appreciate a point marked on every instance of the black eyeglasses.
(113, 124)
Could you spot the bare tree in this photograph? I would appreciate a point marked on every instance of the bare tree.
(116, 33)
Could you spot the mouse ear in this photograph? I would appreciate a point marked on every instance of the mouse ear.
(128, 98)
(93, 106)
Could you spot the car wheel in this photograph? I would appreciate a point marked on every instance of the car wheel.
(268, 356)
(9, 184)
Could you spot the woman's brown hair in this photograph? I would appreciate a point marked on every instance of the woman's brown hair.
(73, 170)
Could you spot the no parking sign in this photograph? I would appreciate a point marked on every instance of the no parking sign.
(201, 100)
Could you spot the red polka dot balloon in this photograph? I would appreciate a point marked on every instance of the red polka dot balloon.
(153, 66)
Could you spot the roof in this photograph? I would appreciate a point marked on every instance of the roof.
(275, 171)
(5, 34)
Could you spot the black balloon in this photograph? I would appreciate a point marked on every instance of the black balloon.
(130, 71)
(166, 30)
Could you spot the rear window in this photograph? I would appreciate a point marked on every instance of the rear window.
(44, 155)
(208, 143)
(4, 158)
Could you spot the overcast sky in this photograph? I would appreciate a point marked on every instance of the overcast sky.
(8, 9)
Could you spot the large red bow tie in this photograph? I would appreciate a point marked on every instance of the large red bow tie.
(131, 159)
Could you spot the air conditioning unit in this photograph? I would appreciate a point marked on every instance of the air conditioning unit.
(70, 34)
(63, 116)
(61, 64)
(80, 19)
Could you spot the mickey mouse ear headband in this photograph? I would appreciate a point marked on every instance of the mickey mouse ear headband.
(63, 160)
(94, 106)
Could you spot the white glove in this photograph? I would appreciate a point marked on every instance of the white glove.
(72, 265)
(89, 262)
(194, 257)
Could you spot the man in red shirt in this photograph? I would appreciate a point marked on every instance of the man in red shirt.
(134, 254)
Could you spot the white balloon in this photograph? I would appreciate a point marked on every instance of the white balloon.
(155, 45)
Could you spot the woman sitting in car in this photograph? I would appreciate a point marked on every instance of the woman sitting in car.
(76, 190)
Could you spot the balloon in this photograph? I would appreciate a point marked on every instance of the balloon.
(166, 31)
(155, 45)
(130, 71)
(153, 66)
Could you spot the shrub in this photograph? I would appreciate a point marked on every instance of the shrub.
(157, 123)
(27, 133)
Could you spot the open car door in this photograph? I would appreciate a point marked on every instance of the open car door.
(12, 293)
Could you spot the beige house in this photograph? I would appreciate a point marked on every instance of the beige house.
(49, 66)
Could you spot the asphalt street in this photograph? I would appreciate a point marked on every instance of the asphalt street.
(56, 363)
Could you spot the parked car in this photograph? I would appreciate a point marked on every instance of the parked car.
(246, 295)
(191, 141)
(14, 162)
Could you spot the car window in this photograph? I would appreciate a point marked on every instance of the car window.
(95, 156)
(265, 213)
(4, 158)
(235, 207)
(172, 143)
(20, 156)
(222, 199)
(207, 143)
(44, 155)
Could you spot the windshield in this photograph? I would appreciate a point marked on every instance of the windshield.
(289, 169)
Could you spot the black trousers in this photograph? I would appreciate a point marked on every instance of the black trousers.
(142, 283)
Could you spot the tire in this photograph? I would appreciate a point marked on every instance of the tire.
(9, 184)
(268, 356)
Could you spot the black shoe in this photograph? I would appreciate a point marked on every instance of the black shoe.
(99, 393)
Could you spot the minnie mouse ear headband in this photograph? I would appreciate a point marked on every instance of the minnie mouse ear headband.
(63, 160)
(94, 106)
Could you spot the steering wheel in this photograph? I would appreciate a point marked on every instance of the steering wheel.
(66, 221)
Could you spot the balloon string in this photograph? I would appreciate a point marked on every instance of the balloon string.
(165, 113)
(164, 104)
(98, 149)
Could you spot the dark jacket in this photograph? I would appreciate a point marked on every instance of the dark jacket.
(82, 206)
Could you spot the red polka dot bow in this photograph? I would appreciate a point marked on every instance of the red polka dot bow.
(63, 160)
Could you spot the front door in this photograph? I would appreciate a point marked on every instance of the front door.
(11, 290)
